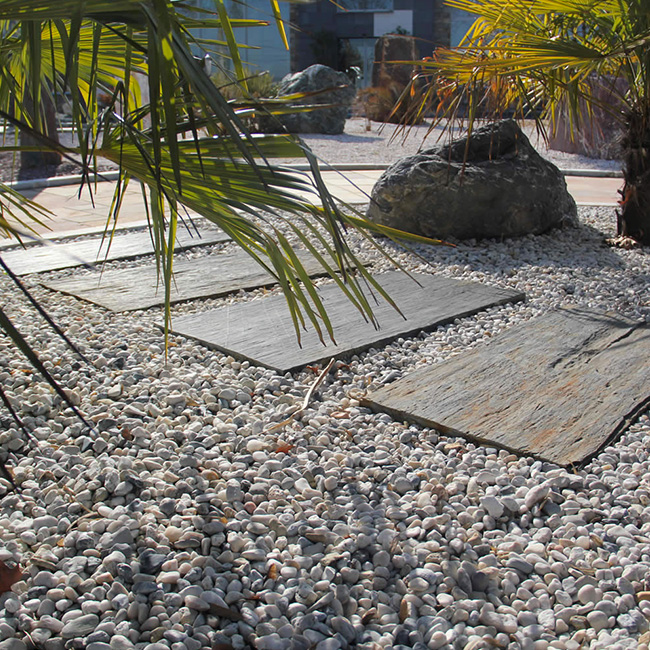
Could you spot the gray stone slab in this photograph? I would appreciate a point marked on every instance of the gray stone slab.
(559, 388)
(63, 255)
(205, 277)
(262, 331)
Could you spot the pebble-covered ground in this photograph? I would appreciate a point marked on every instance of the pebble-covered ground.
(387, 143)
(382, 143)
(188, 521)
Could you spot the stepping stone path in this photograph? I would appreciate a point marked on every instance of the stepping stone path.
(262, 331)
(63, 255)
(531, 390)
(560, 387)
(206, 277)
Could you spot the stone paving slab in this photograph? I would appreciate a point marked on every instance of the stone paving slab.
(262, 331)
(62, 255)
(558, 388)
(214, 275)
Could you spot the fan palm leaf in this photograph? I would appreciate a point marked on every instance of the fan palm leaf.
(167, 126)
(542, 58)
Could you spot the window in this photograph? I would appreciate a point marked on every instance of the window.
(364, 5)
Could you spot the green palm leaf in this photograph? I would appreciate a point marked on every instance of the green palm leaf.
(186, 143)
(545, 58)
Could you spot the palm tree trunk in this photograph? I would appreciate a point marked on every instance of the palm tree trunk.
(43, 158)
(634, 217)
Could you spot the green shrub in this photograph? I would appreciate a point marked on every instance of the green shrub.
(260, 84)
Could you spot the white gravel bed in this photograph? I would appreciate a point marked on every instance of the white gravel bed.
(187, 522)
(387, 143)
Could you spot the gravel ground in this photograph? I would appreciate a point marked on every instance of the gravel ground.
(187, 522)
(10, 163)
(384, 144)
(387, 143)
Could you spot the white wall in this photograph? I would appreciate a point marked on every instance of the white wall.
(388, 22)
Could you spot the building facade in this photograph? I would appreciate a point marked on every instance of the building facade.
(265, 49)
(343, 34)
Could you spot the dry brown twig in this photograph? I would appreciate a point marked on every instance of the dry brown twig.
(305, 402)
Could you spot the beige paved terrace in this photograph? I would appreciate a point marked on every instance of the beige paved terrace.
(73, 215)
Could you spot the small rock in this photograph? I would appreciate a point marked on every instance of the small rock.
(492, 506)
(13, 644)
(80, 627)
(598, 620)
(120, 642)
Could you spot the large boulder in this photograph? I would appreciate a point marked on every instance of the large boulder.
(391, 74)
(340, 93)
(391, 52)
(496, 185)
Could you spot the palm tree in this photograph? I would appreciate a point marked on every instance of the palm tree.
(187, 144)
(544, 58)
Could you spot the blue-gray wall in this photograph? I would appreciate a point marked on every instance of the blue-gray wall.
(430, 22)
(270, 54)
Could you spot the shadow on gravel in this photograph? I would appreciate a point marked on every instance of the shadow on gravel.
(580, 246)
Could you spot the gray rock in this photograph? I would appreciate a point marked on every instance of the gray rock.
(100, 636)
(120, 642)
(536, 494)
(499, 187)
(45, 579)
(607, 606)
(329, 644)
(13, 644)
(341, 625)
(46, 521)
(121, 536)
(39, 636)
(520, 565)
(270, 642)
(634, 622)
(493, 506)
(502, 622)
(464, 581)
(57, 643)
(144, 587)
(598, 620)
(80, 627)
(196, 603)
(315, 78)
(480, 581)
(402, 485)
(6, 630)
(151, 562)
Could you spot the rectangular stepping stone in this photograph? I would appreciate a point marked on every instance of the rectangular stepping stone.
(39, 258)
(262, 331)
(559, 388)
(205, 277)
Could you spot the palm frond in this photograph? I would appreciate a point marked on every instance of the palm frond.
(530, 56)
(167, 125)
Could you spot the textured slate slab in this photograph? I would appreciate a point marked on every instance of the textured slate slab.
(262, 331)
(206, 277)
(559, 387)
(38, 258)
